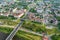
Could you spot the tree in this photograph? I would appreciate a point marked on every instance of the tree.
(32, 10)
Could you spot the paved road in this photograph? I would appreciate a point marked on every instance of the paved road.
(29, 31)
(23, 29)
(17, 28)
(26, 30)
(14, 31)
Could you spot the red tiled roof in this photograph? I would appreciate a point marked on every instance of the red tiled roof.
(16, 14)
(45, 38)
(32, 17)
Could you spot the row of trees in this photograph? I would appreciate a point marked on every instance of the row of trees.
(9, 17)
(37, 27)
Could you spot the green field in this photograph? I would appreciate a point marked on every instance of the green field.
(38, 27)
(55, 37)
(21, 34)
(9, 22)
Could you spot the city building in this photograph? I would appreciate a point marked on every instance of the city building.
(39, 10)
(18, 13)
(32, 17)
(29, 0)
(57, 12)
(50, 20)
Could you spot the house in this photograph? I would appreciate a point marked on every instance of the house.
(12, 2)
(49, 19)
(17, 0)
(32, 5)
(49, 27)
(3, 3)
(24, 1)
(1, 14)
(37, 19)
(48, 10)
(55, 1)
(39, 10)
(29, 0)
(16, 10)
(45, 38)
(18, 13)
(40, 3)
(46, 1)
(5, 14)
(32, 17)
(57, 13)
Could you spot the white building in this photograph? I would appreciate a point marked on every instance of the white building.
(49, 19)
(3, 3)
(32, 5)
(39, 10)
(56, 12)
(29, 0)
(18, 13)
(49, 27)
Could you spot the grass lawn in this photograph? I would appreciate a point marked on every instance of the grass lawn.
(9, 22)
(52, 31)
(38, 27)
(34, 26)
(58, 18)
(55, 37)
(21, 34)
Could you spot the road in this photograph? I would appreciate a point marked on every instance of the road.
(29, 31)
(17, 28)
(14, 31)
(23, 29)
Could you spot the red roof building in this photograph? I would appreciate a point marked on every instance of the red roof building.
(45, 38)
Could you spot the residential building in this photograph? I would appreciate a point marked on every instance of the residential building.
(29, 0)
(39, 10)
(3, 3)
(32, 17)
(57, 13)
(49, 19)
(49, 27)
(18, 13)
(32, 5)
(45, 38)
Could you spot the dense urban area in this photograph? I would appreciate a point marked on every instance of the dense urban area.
(29, 19)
